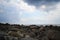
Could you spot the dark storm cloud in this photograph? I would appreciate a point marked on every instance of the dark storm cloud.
(40, 2)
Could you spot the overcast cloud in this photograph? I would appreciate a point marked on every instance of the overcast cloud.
(30, 11)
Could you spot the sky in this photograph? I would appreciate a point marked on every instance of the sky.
(30, 11)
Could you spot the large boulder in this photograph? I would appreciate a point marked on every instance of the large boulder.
(53, 35)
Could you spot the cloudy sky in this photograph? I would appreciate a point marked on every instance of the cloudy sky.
(30, 11)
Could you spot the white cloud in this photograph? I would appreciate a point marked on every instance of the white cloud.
(20, 4)
(56, 12)
(48, 16)
(43, 7)
(53, 11)
(26, 7)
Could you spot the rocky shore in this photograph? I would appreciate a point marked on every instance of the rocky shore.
(29, 32)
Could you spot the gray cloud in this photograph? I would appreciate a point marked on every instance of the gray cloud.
(37, 3)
